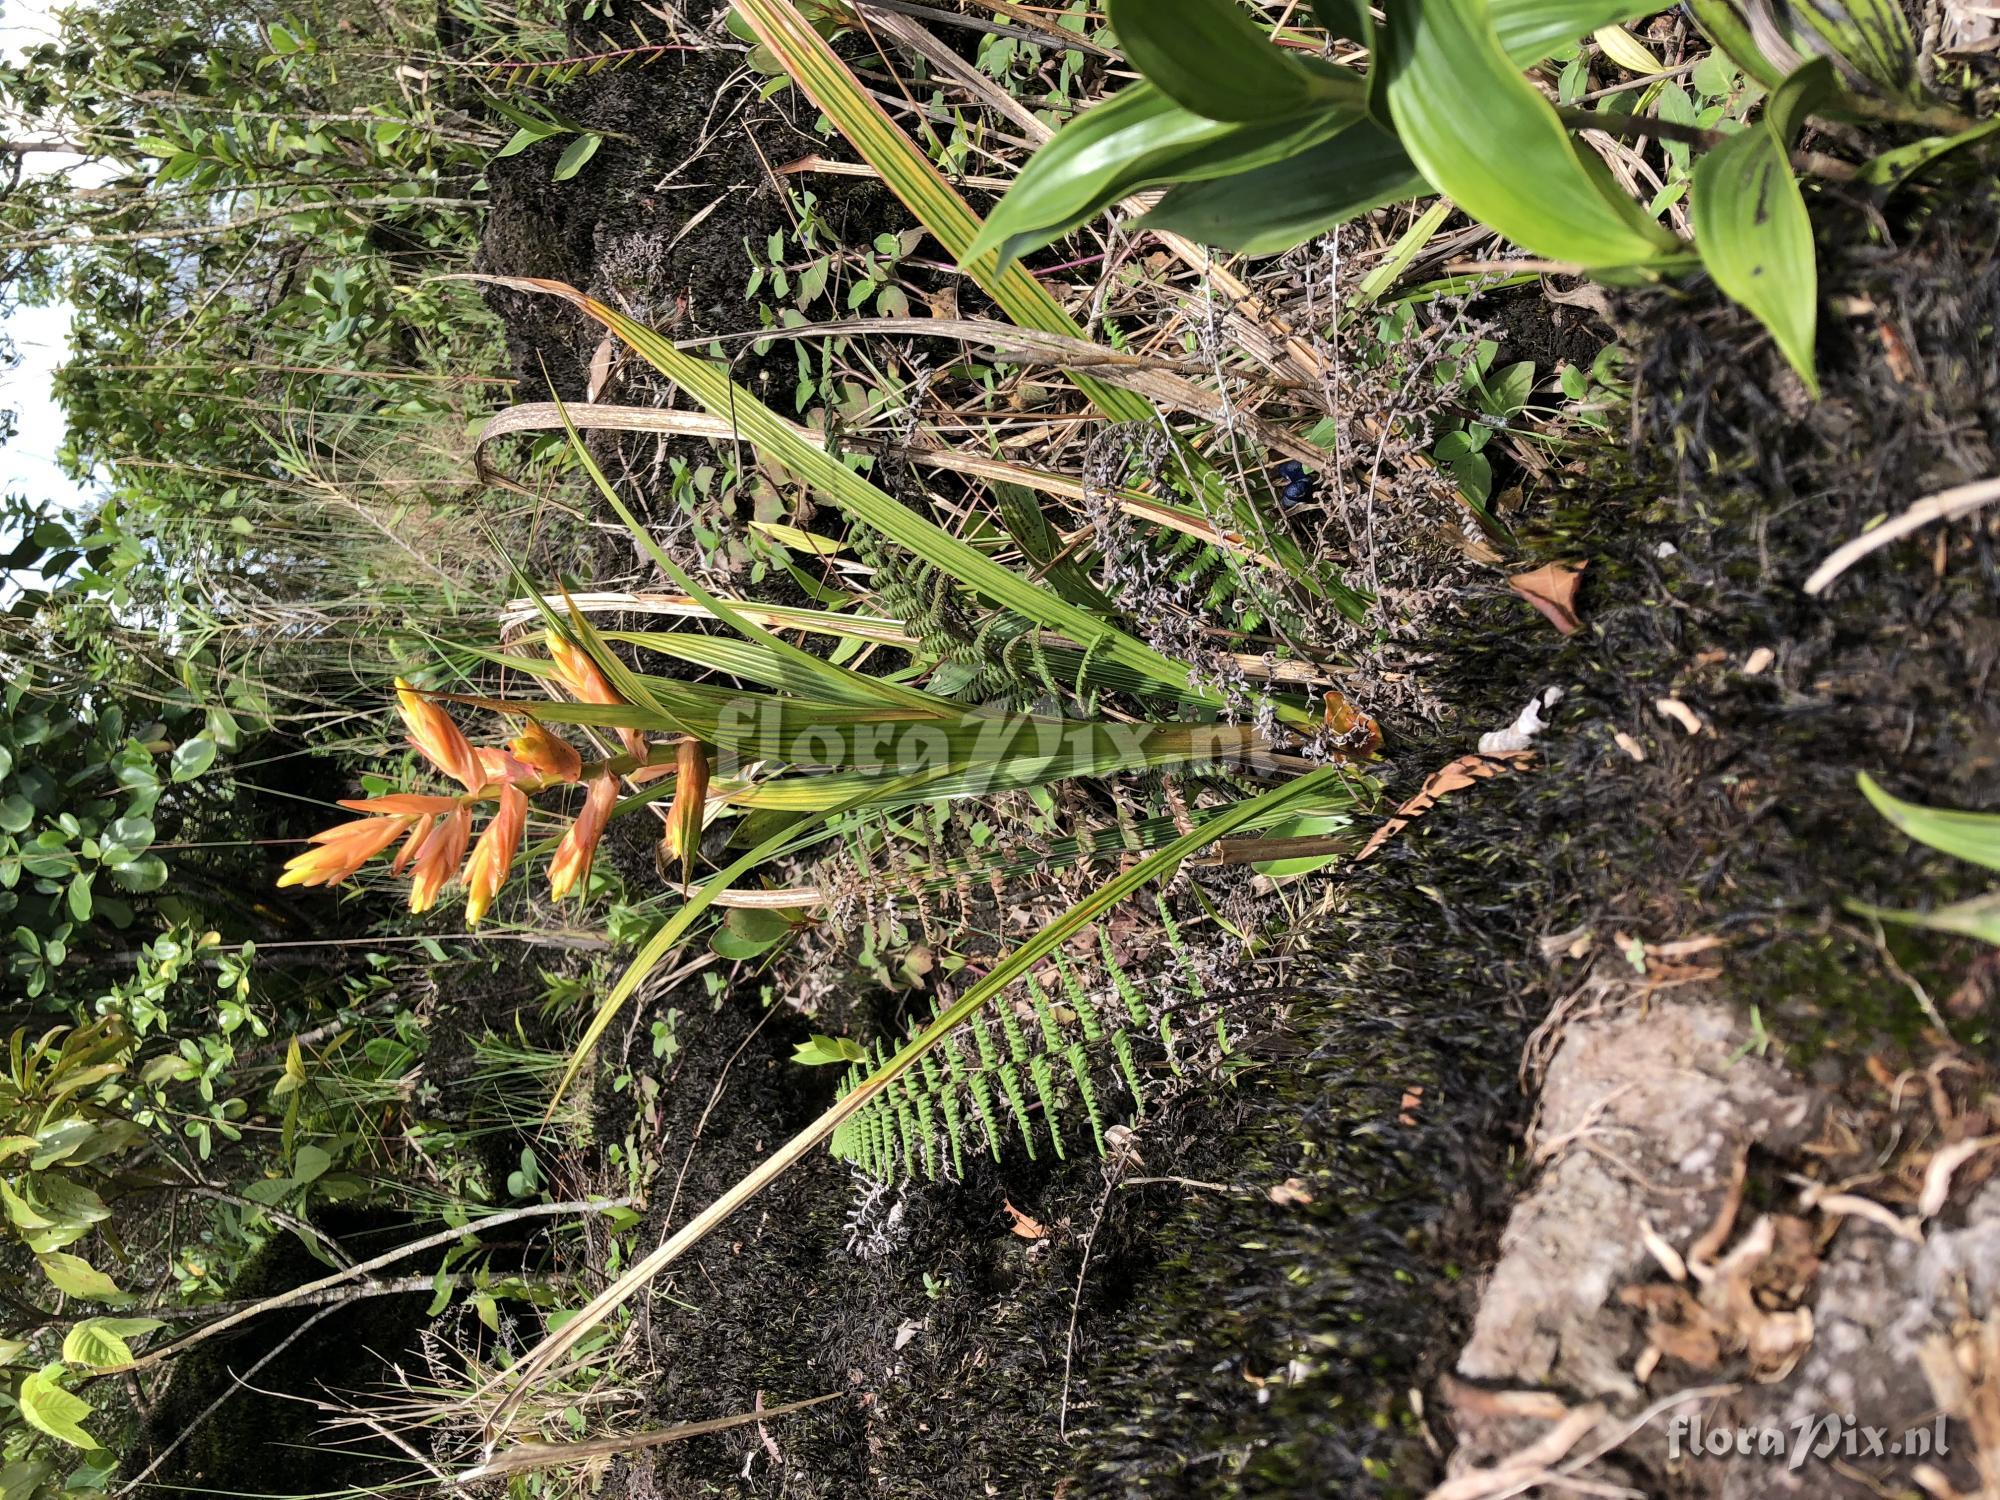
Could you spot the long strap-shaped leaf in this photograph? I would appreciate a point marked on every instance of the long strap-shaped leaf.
(549, 1352)
(779, 441)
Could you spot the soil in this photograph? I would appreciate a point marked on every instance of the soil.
(1582, 1026)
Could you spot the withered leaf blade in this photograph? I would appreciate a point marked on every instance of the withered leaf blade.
(1454, 777)
(1552, 588)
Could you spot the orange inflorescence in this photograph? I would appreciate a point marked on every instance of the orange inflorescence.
(436, 830)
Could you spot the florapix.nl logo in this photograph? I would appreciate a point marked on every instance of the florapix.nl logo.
(1820, 1438)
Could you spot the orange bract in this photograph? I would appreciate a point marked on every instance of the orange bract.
(684, 817)
(495, 853)
(587, 683)
(554, 758)
(432, 732)
(338, 852)
(569, 869)
(439, 857)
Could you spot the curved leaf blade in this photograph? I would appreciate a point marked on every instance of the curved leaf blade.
(1286, 203)
(1755, 238)
(1137, 139)
(1511, 165)
(1209, 57)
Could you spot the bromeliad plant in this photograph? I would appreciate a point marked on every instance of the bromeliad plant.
(1263, 146)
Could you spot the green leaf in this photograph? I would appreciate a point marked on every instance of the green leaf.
(1895, 167)
(146, 873)
(1977, 918)
(48, 1408)
(79, 1278)
(99, 1343)
(1208, 56)
(192, 757)
(1137, 139)
(16, 813)
(575, 155)
(1870, 36)
(1755, 237)
(820, 1050)
(1508, 161)
(132, 833)
(1530, 30)
(310, 1164)
(1964, 835)
(1274, 207)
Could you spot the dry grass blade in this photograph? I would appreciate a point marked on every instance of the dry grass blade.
(526, 1458)
(544, 416)
(1946, 505)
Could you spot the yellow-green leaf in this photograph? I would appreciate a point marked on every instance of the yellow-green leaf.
(1964, 835)
(47, 1407)
(79, 1278)
(1208, 56)
(99, 1343)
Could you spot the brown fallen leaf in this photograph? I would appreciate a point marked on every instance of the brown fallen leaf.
(1551, 588)
(600, 368)
(1458, 775)
(1027, 1227)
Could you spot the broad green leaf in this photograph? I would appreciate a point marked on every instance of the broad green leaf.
(20, 1212)
(48, 1408)
(192, 757)
(1899, 165)
(21, 1481)
(1755, 237)
(1964, 835)
(576, 155)
(1274, 207)
(146, 873)
(1870, 36)
(1208, 56)
(1488, 140)
(1530, 30)
(99, 1343)
(79, 1278)
(16, 813)
(310, 1164)
(1137, 139)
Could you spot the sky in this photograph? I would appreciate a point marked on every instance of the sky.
(41, 334)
